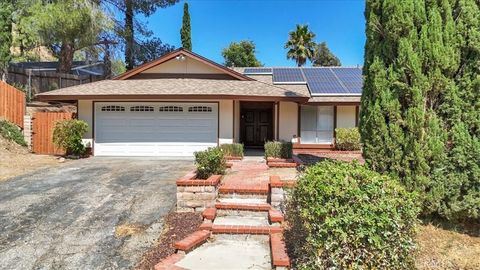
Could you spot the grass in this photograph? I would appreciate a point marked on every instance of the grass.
(443, 246)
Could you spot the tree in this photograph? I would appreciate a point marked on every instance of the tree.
(66, 27)
(5, 37)
(185, 34)
(420, 100)
(300, 45)
(241, 54)
(130, 8)
(323, 57)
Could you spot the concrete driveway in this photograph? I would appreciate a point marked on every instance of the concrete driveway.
(66, 217)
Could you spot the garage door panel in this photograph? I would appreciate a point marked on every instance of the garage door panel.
(155, 133)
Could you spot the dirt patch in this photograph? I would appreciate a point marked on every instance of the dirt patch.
(177, 227)
(129, 229)
(16, 160)
(440, 248)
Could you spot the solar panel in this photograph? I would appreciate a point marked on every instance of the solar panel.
(323, 81)
(257, 71)
(351, 78)
(288, 75)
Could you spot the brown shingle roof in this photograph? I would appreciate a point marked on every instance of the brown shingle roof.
(159, 88)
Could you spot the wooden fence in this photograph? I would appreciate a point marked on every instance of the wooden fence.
(12, 104)
(43, 124)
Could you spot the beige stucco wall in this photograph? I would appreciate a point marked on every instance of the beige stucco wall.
(226, 113)
(225, 109)
(288, 124)
(346, 116)
(188, 65)
(85, 109)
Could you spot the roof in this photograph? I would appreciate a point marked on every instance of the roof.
(174, 88)
(321, 81)
(177, 53)
(78, 67)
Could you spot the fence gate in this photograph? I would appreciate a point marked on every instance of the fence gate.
(43, 124)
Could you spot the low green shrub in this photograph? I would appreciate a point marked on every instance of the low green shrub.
(347, 139)
(68, 134)
(278, 149)
(210, 162)
(344, 216)
(11, 132)
(232, 149)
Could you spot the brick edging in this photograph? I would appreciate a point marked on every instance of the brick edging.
(275, 182)
(279, 254)
(211, 181)
(193, 240)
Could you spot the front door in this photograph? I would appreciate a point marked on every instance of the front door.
(256, 126)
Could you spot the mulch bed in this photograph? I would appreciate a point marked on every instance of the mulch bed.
(312, 158)
(177, 227)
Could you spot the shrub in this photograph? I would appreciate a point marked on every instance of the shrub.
(345, 216)
(232, 149)
(347, 139)
(68, 134)
(209, 162)
(11, 132)
(278, 149)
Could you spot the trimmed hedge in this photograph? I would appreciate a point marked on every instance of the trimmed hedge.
(278, 149)
(68, 135)
(345, 216)
(11, 132)
(210, 162)
(347, 139)
(232, 149)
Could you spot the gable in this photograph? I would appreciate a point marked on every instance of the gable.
(182, 64)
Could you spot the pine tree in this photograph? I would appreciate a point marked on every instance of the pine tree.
(323, 57)
(420, 104)
(5, 37)
(185, 31)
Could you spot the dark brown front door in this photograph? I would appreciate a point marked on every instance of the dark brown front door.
(256, 126)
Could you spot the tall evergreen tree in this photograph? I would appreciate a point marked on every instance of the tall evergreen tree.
(323, 57)
(420, 103)
(5, 37)
(185, 34)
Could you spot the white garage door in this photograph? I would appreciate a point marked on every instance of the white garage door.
(154, 129)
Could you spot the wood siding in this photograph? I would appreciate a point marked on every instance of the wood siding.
(12, 104)
(43, 125)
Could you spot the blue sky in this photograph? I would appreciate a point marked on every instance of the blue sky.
(216, 23)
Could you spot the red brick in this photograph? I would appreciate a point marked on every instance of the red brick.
(279, 253)
(282, 164)
(275, 216)
(206, 226)
(270, 159)
(244, 206)
(244, 189)
(275, 182)
(242, 229)
(192, 240)
(209, 213)
(211, 181)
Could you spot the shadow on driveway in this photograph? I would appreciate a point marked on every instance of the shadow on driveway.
(65, 217)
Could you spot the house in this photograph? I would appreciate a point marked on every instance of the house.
(183, 102)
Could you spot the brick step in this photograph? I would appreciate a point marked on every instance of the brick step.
(244, 189)
(243, 206)
(243, 200)
(279, 254)
(193, 240)
(282, 164)
(241, 229)
(240, 196)
(242, 220)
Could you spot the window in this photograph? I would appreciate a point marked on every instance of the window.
(113, 108)
(199, 109)
(316, 124)
(171, 109)
(141, 108)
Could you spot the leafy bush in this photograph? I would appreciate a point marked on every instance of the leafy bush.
(11, 132)
(347, 139)
(278, 149)
(68, 134)
(345, 216)
(232, 149)
(209, 162)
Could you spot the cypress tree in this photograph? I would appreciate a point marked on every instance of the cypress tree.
(420, 104)
(5, 37)
(185, 31)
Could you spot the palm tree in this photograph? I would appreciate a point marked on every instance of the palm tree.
(301, 45)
